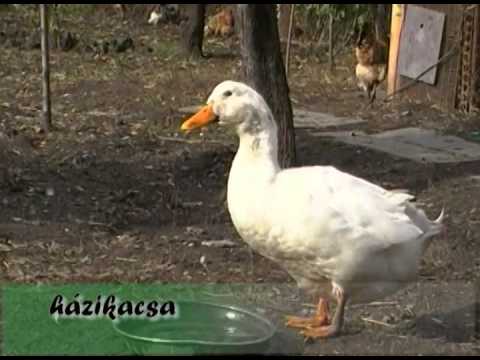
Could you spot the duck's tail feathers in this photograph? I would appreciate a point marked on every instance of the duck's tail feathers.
(439, 219)
(436, 227)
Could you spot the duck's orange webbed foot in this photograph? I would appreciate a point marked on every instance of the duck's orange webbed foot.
(320, 326)
(321, 318)
(320, 332)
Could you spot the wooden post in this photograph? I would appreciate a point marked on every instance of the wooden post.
(330, 41)
(283, 12)
(395, 32)
(289, 40)
(46, 106)
(475, 77)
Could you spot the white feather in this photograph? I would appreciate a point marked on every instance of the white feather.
(318, 222)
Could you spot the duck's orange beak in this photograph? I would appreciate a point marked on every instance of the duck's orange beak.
(203, 117)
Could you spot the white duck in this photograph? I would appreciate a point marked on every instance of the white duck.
(317, 222)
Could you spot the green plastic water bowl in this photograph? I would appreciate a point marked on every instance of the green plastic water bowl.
(198, 328)
(475, 136)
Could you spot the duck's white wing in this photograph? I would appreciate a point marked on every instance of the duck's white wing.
(346, 210)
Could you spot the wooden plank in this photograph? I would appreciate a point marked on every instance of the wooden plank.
(46, 103)
(475, 78)
(420, 43)
(396, 25)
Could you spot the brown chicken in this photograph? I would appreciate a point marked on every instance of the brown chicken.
(371, 68)
(221, 24)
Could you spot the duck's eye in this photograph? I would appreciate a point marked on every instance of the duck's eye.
(227, 93)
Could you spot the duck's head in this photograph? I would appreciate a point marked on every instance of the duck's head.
(233, 104)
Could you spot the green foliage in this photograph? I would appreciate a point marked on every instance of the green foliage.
(317, 15)
(75, 10)
(339, 11)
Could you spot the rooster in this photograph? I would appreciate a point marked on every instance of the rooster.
(221, 24)
(371, 66)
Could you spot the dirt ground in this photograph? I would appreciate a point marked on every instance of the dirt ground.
(117, 193)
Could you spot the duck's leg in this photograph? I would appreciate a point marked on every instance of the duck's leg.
(373, 93)
(321, 317)
(370, 97)
(335, 326)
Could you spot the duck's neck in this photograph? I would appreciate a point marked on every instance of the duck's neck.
(253, 170)
(257, 154)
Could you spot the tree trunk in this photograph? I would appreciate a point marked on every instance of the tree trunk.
(193, 30)
(46, 105)
(381, 18)
(265, 71)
